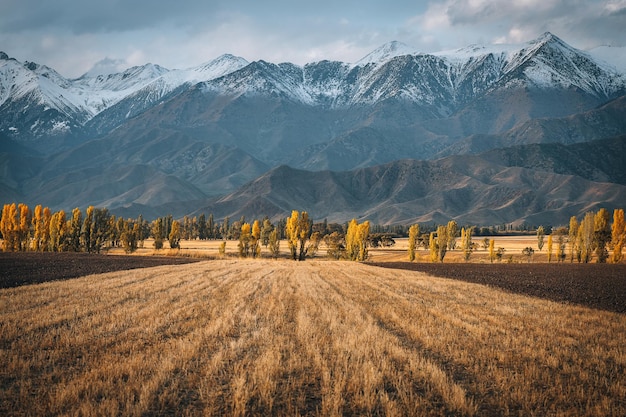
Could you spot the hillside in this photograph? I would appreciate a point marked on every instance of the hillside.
(470, 189)
(151, 139)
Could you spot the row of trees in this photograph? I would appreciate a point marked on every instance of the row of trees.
(594, 234)
(41, 230)
(97, 229)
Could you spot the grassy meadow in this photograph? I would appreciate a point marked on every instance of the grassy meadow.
(277, 337)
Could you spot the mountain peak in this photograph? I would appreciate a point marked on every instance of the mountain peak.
(106, 66)
(386, 52)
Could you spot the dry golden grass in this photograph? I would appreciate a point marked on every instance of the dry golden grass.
(245, 337)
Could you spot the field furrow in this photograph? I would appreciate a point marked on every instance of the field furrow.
(264, 337)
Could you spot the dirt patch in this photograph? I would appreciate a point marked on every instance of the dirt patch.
(601, 286)
(22, 268)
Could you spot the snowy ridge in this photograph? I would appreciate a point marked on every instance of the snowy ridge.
(441, 81)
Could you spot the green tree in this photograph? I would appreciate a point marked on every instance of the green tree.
(75, 230)
(274, 243)
(335, 245)
(130, 236)
(528, 252)
(541, 235)
(158, 233)
(101, 231)
(414, 232)
(87, 230)
(266, 231)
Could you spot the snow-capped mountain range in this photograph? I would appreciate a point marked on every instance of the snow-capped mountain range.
(157, 141)
(37, 102)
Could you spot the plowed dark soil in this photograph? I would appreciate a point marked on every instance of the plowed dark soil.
(22, 268)
(601, 286)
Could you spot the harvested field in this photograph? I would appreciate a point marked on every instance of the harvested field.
(259, 337)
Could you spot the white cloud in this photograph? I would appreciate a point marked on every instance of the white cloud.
(72, 35)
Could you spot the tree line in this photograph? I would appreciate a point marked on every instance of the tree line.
(96, 229)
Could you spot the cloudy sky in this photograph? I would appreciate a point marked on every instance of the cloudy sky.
(73, 35)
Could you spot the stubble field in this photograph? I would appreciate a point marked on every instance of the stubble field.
(258, 337)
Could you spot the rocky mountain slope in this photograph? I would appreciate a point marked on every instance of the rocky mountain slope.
(151, 139)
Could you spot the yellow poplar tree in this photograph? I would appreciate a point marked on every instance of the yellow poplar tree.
(618, 234)
(432, 245)
(466, 242)
(45, 235)
(298, 231)
(175, 235)
(573, 237)
(24, 227)
(57, 231)
(255, 246)
(492, 250)
(601, 234)
(37, 228)
(244, 240)
(550, 248)
(414, 232)
(8, 227)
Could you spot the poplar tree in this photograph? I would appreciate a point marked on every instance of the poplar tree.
(255, 241)
(492, 250)
(23, 232)
(57, 231)
(175, 235)
(158, 233)
(442, 242)
(451, 232)
(618, 234)
(244, 240)
(466, 242)
(549, 248)
(74, 232)
(432, 246)
(414, 232)
(45, 235)
(88, 230)
(601, 234)
(37, 228)
(573, 238)
(541, 234)
(8, 227)
(274, 243)
(585, 240)
(298, 231)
